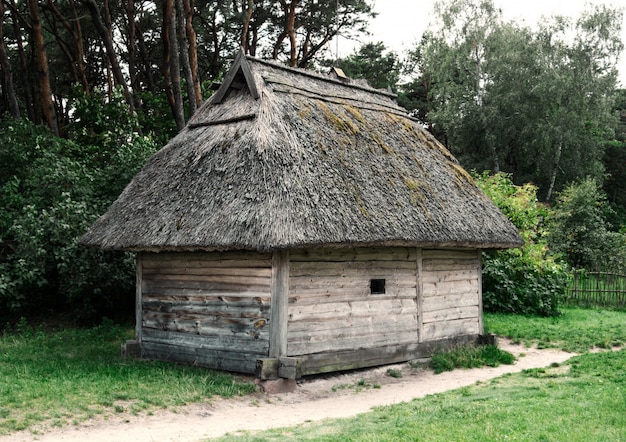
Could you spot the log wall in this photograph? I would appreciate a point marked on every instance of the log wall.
(331, 308)
(209, 309)
(452, 299)
(217, 309)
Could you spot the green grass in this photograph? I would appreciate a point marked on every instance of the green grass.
(469, 356)
(67, 376)
(576, 330)
(583, 400)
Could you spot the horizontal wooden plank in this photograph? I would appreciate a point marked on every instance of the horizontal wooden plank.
(355, 254)
(469, 287)
(255, 320)
(445, 329)
(205, 310)
(328, 296)
(150, 259)
(367, 357)
(451, 313)
(371, 307)
(364, 268)
(449, 264)
(216, 278)
(220, 360)
(230, 343)
(240, 286)
(330, 329)
(349, 281)
(255, 328)
(209, 264)
(207, 298)
(450, 275)
(449, 254)
(304, 347)
(240, 272)
(434, 303)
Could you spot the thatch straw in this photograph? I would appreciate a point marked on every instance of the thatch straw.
(312, 162)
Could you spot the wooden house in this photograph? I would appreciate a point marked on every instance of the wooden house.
(299, 224)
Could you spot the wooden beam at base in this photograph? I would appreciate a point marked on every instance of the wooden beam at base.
(289, 368)
(352, 359)
(267, 368)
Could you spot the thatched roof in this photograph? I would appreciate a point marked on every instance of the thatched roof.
(282, 158)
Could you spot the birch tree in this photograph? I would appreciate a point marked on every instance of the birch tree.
(534, 103)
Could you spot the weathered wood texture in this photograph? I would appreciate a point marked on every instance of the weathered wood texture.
(451, 304)
(280, 293)
(370, 357)
(215, 309)
(331, 308)
(209, 309)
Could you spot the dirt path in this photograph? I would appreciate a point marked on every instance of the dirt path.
(324, 397)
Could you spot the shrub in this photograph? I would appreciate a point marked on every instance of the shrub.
(528, 280)
(581, 232)
(53, 191)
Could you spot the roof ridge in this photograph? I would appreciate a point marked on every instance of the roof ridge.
(319, 76)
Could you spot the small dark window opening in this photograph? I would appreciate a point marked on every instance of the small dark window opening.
(377, 286)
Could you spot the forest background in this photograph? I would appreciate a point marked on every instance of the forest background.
(89, 90)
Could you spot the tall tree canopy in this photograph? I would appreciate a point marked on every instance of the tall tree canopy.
(155, 51)
(372, 62)
(534, 103)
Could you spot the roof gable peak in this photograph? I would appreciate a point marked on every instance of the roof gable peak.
(239, 76)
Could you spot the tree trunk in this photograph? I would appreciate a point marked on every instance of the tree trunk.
(183, 46)
(555, 168)
(193, 50)
(131, 39)
(26, 69)
(80, 50)
(61, 43)
(105, 36)
(172, 63)
(5, 64)
(45, 90)
(245, 44)
(145, 60)
(290, 29)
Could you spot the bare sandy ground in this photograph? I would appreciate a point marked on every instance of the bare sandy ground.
(315, 399)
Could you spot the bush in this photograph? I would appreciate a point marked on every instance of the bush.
(528, 280)
(53, 191)
(581, 232)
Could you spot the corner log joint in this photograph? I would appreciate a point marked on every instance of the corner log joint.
(275, 368)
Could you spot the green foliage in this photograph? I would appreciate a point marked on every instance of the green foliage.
(536, 103)
(470, 356)
(54, 191)
(65, 376)
(580, 230)
(371, 62)
(529, 279)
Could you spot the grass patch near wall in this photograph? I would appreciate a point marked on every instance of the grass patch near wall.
(470, 356)
(575, 330)
(55, 378)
